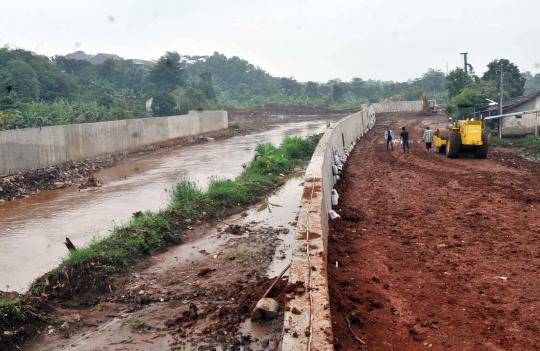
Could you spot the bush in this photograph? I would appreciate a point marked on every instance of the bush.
(12, 310)
(297, 148)
(226, 192)
(528, 142)
(269, 160)
(188, 200)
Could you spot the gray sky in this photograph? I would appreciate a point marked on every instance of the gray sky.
(308, 40)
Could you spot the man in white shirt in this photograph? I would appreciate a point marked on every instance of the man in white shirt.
(428, 138)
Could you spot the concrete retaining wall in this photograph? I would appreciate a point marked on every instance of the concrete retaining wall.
(31, 148)
(308, 324)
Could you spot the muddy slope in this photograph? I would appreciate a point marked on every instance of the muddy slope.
(435, 253)
(193, 295)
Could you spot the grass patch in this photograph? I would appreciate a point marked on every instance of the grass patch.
(238, 256)
(140, 325)
(89, 268)
(226, 192)
(12, 311)
(528, 142)
(240, 128)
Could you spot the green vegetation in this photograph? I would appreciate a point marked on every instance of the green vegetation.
(12, 310)
(59, 90)
(469, 93)
(89, 268)
(238, 256)
(249, 86)
(532, 83)
(529, 142)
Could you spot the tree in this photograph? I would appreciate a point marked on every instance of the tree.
(163, 104)
(167, 74)
(532, 83)
(472, 98)
(456, 81)
(338, 91)
(357, 86)
(107, 69)
(22, 79)
(290, 86)
(206, 86)
(513, 81)
(433, 81)
(311, 89)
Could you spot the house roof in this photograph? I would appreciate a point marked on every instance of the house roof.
(515, 102)
(520, 100)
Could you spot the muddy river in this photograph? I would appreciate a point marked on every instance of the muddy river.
(33, 230)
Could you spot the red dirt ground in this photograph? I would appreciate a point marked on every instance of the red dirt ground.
(435, 253)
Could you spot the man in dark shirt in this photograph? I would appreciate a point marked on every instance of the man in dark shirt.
(405, 139)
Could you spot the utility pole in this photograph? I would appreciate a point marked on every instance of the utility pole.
(465, 61)
(466, 65)
(536, 125)
(501, 91)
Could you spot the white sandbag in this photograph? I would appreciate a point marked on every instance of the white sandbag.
(333, 214)
(335, 197)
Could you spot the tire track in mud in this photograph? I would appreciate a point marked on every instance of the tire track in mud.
(440, 253)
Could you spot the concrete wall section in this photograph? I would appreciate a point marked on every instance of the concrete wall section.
(513, 126)
(31, 148)
(308, 324)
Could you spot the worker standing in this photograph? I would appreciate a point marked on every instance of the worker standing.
(404, 140)
(428, 138)
(389, 137)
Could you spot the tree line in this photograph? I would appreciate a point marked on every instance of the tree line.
(40, 90)
(469, 93)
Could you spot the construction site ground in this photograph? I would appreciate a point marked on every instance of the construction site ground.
(434, 253)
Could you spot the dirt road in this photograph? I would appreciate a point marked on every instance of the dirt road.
(435, 253)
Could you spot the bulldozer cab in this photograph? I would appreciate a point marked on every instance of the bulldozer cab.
(462, 136)
(471, 132)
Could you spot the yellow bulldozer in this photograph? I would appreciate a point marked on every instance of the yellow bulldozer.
(462, 136)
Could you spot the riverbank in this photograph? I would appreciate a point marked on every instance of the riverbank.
(82, 173)
(91, 272)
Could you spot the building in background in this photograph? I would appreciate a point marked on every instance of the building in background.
(522, 124)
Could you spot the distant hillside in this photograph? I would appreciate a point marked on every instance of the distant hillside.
(93, 59)
(101, 57)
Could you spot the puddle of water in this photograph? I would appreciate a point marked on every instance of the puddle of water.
(190, 251)
(260, 331)
(279, 211)
(33, 230)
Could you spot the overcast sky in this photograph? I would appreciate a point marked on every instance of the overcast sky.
(308, 40)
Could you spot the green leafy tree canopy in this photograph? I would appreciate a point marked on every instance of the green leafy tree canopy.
(513, 81)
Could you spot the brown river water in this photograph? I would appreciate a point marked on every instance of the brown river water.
(33, 230)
